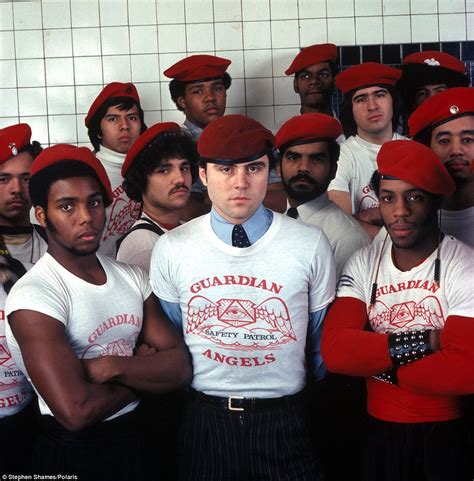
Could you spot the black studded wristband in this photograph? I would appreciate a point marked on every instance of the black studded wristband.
(389, 376)
(409, 346)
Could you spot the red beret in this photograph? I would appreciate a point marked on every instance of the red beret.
(441, 108)
(66, 152)
(324, 52)
(234, 139)
(12, 139)
(198, 67)
(114, 89)
(435, 59)
(365, 75)
(307, 128)
(145, 139)
(416, 164)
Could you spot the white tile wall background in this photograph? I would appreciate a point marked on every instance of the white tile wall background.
(56, 55)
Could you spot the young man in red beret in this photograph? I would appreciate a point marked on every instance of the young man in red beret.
(446, 124)
(247, 297)
(315, 69)
(74, 321)
(403, 318)
(20, 247)
(369, 115)
(115, 121)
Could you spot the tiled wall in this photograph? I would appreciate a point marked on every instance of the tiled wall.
(55, 55)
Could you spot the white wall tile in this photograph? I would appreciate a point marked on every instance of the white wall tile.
(152, 117)
(172, 116)
(30, 73)
(86, 41)
(39, 128)
(6, 16)
(282, 59)
(85, 13)
(264, 115)
(166, 102)
(236, 94)
(27, 15)
(228, 36)
(423, 6)
(7, 45)
(8, 102)
(169, 11)
(28, 44)
(198, 11)
(236, 68)
(259, 91)
(62, 129)
(424, 28)
(7, 121)
(285, 33)
(257, 35)
(340, 8)
(400, 7)
(227, 11)
(313, 31)
(166, 60)
(115, 40)
(142, 12)
(283, 9)
(284, 91)
(470, 26)
(258, 63)
(369, 31)
(61, 100)
(56, 14)
(284, 113)
(312, 8)
(88, 70)
(341, 31)
(113, 12)
(57, 43)
(199, 37)
(452, 27)
(452, 6)
(364, 8)
(150, 96)
(59, 71)
(145, 68)
(81, 129)
(143, 39)
(85, 95)
(397, 29)
(255, 10)
(116, 68)
(172, 38)
(32, 101)
(7, 74)
(469, 5)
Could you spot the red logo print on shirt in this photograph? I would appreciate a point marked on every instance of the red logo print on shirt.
(240, 323)
(119, 221)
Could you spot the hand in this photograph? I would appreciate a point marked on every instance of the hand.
(145, 350)
(371, 216)
(98, 369)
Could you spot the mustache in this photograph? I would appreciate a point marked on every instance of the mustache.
(179, 187)
(302, 176)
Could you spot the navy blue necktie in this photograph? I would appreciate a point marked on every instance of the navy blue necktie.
(292, 212)
(239, 237)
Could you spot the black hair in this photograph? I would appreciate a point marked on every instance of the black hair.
(122, 103)
(163, 147)
(347, 117)
(40, 183)
(332, 66)
(34, 149)
(333, 146)
(178, 87)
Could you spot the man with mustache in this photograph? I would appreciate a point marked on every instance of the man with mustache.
(307, 164)
(445, 123)
(158, 172)
(403, 319)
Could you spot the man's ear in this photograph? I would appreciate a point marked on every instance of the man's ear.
(40, 215)
(295, 86)
(203, 175)
(181, 101)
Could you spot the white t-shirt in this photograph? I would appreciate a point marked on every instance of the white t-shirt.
(99, 320)
(459, 223)
(123, 212)
(343, 232)
(245, 310)
(356, 164)
(15, 390)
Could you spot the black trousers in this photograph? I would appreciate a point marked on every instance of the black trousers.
(272, 444)
(434, 451)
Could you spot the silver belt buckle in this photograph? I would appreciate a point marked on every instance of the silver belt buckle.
(229, 403)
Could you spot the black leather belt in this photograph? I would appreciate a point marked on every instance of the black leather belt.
(240, 403)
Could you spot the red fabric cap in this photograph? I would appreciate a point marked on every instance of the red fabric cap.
(436, 59)
(198, 67)
(146, 139)
(442, 107)
(114, 89)
(416, 164)
(306, 128)
(234, 139)
(324, 52)
(64, 152)
(12, 139)
(365, 75)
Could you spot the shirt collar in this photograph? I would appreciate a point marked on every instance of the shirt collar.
(307, 209)
(193, 129)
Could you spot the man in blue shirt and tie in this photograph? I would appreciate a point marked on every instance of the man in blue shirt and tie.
(249, 290)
